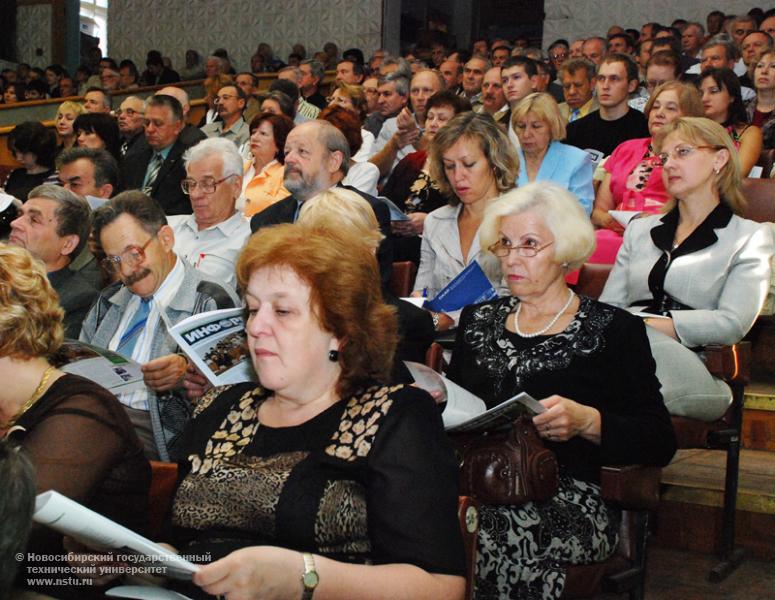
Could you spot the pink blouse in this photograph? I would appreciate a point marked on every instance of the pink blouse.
(636, 180)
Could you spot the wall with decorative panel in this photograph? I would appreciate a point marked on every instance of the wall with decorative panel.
(173, 26)
(33, 31)
(572, 19)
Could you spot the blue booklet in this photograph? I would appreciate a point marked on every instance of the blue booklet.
(471, 286)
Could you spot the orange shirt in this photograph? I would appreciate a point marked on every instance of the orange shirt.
(264, 188)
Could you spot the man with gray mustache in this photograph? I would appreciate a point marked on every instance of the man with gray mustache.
(130, 316)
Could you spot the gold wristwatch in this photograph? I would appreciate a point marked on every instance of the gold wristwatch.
(309, 578)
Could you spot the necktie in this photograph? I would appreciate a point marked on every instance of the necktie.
(129, 340)
(575, 115)
(124, 148)
(153, 172)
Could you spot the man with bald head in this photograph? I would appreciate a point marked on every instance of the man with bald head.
(317, 157)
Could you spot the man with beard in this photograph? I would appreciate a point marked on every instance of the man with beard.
(317, 157)
(127, 316)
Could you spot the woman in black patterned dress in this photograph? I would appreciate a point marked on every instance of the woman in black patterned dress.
(588, 363)
(323, 467)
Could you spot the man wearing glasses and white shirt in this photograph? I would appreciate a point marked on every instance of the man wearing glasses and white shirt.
(212, 237)
(126, 316)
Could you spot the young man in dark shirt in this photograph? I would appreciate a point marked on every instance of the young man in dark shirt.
(615, 122)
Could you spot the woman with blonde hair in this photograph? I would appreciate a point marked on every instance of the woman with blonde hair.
(472, 162)
(633, 180)
(76, 433)
(539, 126)
(66, 115)
(701, 269)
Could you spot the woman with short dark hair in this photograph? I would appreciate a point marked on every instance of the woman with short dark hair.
(34, 146)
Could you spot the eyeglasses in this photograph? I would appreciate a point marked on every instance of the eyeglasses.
(131, 257)
(682, 153)
(224, 98)
(207, 185)
(502, 249)
(560, 56)
(128, 112)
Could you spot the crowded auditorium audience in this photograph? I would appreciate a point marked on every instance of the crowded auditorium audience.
(295, 186)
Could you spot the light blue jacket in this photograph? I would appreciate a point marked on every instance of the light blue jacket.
(566, 166)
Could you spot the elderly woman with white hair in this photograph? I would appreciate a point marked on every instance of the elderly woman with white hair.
(587, 363)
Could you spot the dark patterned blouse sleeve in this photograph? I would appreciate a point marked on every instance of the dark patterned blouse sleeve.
(413, 490)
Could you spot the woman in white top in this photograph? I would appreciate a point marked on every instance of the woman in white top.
(353, 98)
(472, 162)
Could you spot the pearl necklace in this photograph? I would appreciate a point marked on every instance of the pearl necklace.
(549, 325)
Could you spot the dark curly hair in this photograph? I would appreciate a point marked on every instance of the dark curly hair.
(36, 138)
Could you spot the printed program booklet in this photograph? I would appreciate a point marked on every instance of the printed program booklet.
(471, 286)
(70, 518)
(111, 370)
(464, 412)
(216, 343)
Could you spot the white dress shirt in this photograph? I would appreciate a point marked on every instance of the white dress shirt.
(214, 250)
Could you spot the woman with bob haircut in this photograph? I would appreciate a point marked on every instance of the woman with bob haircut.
(722, 102)
(472, 163)
(262, 184)
(98, 131)
(586, 362)
(539, 125)
(75, 432)
(323, 471)
(633, 179)
(701, 269)
(34, 146)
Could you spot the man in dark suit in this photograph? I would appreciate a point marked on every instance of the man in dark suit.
(317, 156)
(155, 165)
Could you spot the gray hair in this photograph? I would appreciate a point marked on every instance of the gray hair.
(221, 62)
(334, 141)
(404, 68)
(722, 39)
(316, 67)
(296, 73)
(402, 83)
(73, 214)
(105, 166)
(220, 147)
(696, 24)
(145, 210)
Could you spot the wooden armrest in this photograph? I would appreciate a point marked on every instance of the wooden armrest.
(468, 515)
(730, 363)
(631, 486)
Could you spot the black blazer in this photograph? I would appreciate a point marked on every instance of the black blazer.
(166, 189)
(284, 211)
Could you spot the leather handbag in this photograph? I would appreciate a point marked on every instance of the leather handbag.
(508, 466)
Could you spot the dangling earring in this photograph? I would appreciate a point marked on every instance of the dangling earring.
(716, 170)
(333, 355)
